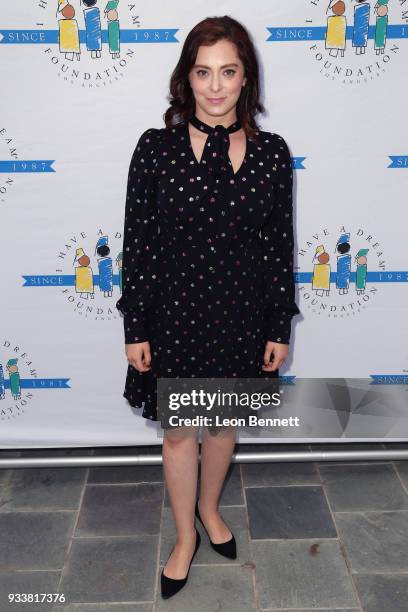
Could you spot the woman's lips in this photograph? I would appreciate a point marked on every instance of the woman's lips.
(215, 100)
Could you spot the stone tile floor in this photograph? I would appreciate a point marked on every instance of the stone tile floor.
(310, 536)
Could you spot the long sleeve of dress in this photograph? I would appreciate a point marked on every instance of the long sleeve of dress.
(140, 240)
(277, 247)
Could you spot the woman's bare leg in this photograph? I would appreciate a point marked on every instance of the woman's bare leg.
(180, 466)
(216, 452)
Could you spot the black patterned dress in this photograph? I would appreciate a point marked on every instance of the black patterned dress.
(207, 262)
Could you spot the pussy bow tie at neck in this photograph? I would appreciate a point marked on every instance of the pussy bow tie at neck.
(217, 144)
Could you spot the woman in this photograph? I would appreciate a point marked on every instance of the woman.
(208, 288)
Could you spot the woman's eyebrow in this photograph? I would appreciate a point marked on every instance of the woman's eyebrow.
(224, 66)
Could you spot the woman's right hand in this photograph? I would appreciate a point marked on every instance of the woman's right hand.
(138, 355)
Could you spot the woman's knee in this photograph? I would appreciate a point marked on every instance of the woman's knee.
(221, 431)
(177, 435)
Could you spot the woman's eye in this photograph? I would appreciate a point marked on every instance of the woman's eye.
(231, 71)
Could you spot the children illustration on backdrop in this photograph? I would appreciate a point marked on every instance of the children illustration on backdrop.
(322, 270)
(336, 31)
(84, 278)
(68, 29)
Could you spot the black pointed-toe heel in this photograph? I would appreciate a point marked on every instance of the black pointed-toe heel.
(226, 549)
(171, 586)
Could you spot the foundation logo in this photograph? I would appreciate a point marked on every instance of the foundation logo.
(347, 270)
(20, 383)
(11, 165)
(88, 275)
(352, 42)
(88, 42)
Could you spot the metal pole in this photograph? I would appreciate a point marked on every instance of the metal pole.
(253, 457)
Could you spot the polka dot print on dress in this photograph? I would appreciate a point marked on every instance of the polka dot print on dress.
(207, 262)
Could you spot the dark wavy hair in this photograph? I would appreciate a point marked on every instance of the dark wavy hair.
(208, 32)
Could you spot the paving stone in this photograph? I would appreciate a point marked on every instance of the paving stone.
(363, 487)
(375, 541)
(43, 489)
(110, 569)
(108, 510)
(383, 593)
(289, 512)
(35, 540)
(302, 574)
(221, 587)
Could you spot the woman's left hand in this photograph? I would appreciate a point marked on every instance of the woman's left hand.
(275, 354)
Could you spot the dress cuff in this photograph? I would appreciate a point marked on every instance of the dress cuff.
(135, 329)
(278, 329)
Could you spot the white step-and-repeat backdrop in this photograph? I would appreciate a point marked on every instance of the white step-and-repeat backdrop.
(334, 78)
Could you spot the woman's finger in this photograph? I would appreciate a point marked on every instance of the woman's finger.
(141, 366)
(267, 355)
(147, 356)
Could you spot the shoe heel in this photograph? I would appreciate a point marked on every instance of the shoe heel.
(171, 586)
(226, 549)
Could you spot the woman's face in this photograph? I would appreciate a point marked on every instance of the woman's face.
(217, 78)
